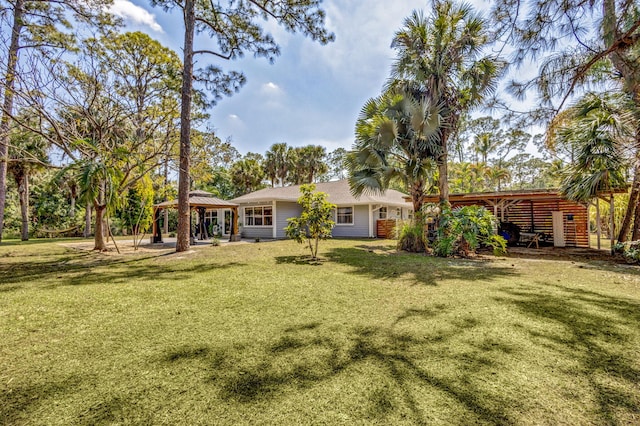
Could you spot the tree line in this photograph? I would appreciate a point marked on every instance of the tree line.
(101, 117)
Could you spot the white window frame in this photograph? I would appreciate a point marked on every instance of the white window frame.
(254, 216)
(383, 210)
(353, 217)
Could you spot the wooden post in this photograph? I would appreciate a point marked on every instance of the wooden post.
(234, 225)
(612, 226)
(155, 223)
(588, 224)
(598, 225)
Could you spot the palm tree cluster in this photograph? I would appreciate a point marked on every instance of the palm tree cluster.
(233, 175)
(440, 73)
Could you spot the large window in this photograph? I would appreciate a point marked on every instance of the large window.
(344, 216)
(258, 216)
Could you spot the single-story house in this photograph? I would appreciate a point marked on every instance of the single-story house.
(264, 213)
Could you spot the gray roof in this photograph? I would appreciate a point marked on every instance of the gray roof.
(196, 201)
(339, 194)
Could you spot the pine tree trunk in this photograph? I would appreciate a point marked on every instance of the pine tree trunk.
(165, 222)
(99, 236)
(9, 80)
(23, 189)
(184, 223)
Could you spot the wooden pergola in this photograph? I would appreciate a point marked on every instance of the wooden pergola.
(199, 201)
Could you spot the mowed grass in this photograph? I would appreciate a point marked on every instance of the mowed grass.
(254, 334)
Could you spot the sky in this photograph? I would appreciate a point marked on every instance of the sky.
(312, 94)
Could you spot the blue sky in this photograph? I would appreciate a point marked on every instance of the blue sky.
(313, 93)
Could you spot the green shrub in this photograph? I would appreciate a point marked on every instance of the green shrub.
(629, 250)
(464, 229)
(411, 237)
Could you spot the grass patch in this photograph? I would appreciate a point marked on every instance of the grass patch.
(254, 334)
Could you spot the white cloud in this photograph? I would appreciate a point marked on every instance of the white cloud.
(271, 90)
(138, 15)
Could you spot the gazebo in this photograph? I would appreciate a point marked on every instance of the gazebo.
(200, 201)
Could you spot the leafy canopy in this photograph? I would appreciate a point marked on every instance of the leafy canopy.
(315, 222)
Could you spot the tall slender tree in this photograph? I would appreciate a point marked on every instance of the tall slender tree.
(42, 27)
(235, 27)
(27, 154)
(440, 57)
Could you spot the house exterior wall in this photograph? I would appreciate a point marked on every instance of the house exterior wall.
(360, 227)
(284, 211)
(265, 232)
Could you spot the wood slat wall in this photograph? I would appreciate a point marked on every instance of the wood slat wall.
(575, 231)
(385, 228)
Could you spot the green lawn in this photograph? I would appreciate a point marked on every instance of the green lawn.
(252, 334)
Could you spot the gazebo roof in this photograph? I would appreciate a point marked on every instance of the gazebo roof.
(199, 199)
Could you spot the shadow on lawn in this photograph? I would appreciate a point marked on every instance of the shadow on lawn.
(80, 268)
(422, 269)
(599, 331)
(399, 369)
(17, 402)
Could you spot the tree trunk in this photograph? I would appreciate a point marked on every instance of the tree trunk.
(443, 183)
(636, 225)
(87, 222)
(23, 190)
(631, 206)
(7, 106)
(99, 236)
(184, 223)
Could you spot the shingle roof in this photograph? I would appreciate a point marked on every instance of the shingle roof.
(199, 201)
(339, 193)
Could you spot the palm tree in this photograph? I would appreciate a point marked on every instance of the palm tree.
(99, 183)
(497, 175)
(27, 153)
(310, 163)
(396, 142)
(279, 160)
(439, 59)
(246, 176)
(601, 132)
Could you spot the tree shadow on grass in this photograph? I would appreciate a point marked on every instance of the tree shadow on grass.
(598, 331)
(400, 368)
(79, 268)
(425, 270)
(17, 402)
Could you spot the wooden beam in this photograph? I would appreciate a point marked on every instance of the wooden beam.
(598, 224)
(612, 225)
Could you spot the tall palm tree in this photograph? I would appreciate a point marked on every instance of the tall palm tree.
(602, 132)
(27, 153)
(279, 160)
(440, 58)
(310, 163)
(246, 176)
(396, 142)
